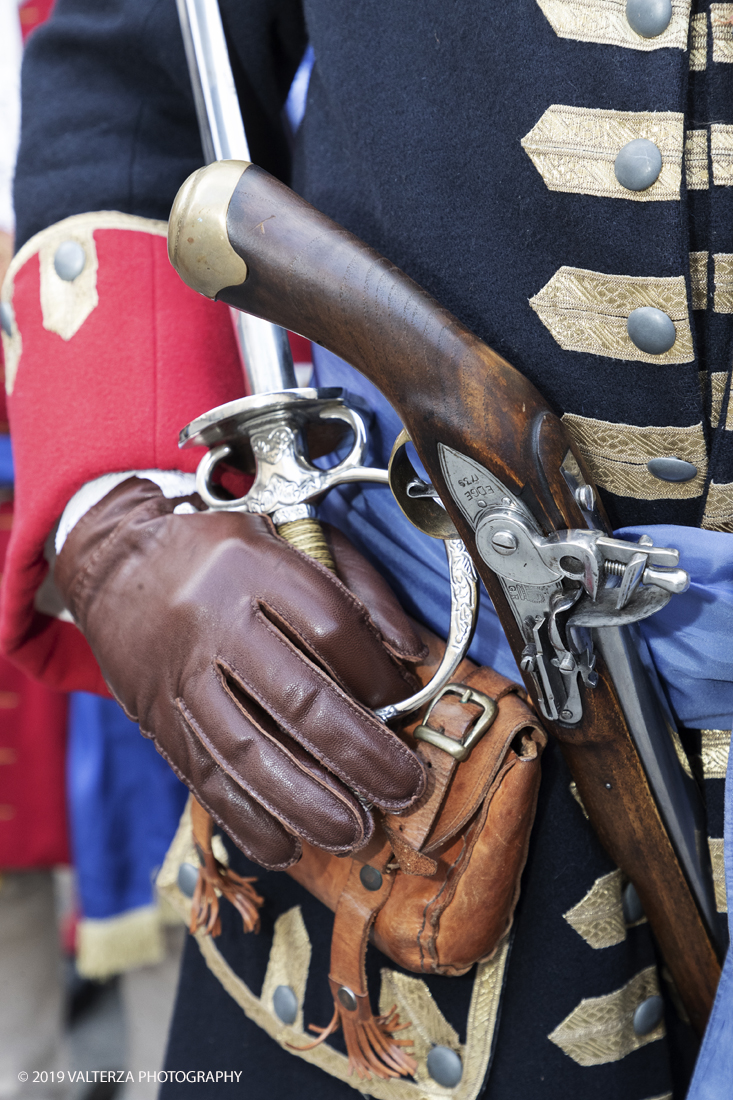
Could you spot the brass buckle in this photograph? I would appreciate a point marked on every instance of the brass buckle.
(459, 750)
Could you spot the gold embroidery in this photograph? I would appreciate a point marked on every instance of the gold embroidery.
(721, 154)
(618, 454)
(598, 917)
(720, 19)
(723, 294)
(428, 1026)
(679, 750)
(699, 279)
(587, 311)
(113, 945)
(697, 176)
(605, 21)
(698, 42)
(715, 749)
(601, 1029)
(719, 507)
(66, 305)
(718, 383)
(574, 149)
(289, 961)
(715, 844)
(428, 1023)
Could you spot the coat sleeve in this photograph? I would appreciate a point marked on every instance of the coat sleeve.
(108, 355)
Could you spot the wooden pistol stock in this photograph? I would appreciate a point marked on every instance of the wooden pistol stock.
(514, 487)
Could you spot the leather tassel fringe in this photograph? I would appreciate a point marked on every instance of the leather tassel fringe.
(370, 1041)
(213, 877)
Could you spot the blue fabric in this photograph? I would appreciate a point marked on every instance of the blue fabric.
(713, 1076)
(7, 475)
(689, 639)
(124, 806)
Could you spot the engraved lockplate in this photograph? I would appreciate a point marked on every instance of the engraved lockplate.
(475, 490)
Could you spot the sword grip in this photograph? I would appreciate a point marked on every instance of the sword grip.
(307, 535)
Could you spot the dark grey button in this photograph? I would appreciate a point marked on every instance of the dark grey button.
(631, 905)
(7, 318)
(187, 879)
(648, 1015)
(347, 998)
(370, 878)
(69, 260)
(638, 164)
(285, 1004)
(445, 1066)
(671, 469)
(649, 18)
(651, 330)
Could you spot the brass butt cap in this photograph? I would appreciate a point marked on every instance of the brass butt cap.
(198, 244)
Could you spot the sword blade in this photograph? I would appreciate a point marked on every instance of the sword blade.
(264, 347)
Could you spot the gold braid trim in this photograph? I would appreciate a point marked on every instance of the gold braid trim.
(574, 149)
(587, 311)
(699, 42)
(721, 154)
(697, 176)
(715, 749)
(618, 455)
(721, 18)
(715, 845)
(605, 22)
(699, 279)
(719, 508)
(601, 1029)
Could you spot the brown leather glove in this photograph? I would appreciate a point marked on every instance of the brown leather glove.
(243, 660)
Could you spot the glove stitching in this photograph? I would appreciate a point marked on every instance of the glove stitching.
(299, 830)
(361, 713)
(222, 825)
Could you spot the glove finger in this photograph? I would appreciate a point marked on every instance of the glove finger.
(305, 702)
(290, 785)
(255, 831)
(361, 578)
(307, 601)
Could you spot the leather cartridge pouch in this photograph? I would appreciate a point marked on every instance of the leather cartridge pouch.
(452, 863)
(435, 888)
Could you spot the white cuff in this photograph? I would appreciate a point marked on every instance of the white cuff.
(172, 483)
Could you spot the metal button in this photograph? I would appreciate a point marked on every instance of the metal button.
(370, 878)
(445, 1066)
(648, 1015)
(187, 879)
(638, 164)
(285, 1004)
(651, 330)
(631, 905)
(347, 998)
(649, 18)
(671, 469)
(69, 260)
(7, 318)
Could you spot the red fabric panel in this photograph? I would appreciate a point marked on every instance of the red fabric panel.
(152, 356)
(33, 830)
(32, 14)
